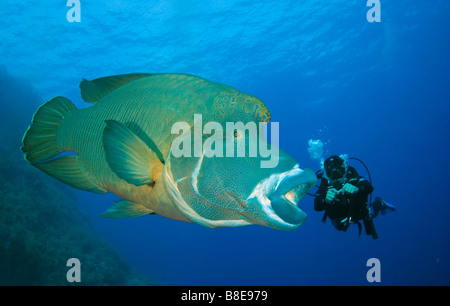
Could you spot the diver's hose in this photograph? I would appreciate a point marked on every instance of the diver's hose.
(368, 172)
(367, 169)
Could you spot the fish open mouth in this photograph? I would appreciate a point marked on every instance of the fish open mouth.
(293, 196)
(290, 190)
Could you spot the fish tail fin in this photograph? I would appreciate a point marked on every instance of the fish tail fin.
(39, 141)
(41, 149)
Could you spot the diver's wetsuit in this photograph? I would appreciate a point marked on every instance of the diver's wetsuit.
(347, 208)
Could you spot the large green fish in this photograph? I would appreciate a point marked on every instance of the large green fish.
(126, 143)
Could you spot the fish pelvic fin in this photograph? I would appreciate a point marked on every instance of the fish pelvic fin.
(128, 155)
(40, 146)
(126, 209)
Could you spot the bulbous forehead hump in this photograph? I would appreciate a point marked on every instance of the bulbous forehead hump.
(234, 105)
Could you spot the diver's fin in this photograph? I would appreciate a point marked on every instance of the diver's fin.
(385, 206)
(127, 155)
(126, 209)
(92, 91)
(39, 141)
(67, 169)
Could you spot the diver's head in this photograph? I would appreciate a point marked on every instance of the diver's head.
(335, 168)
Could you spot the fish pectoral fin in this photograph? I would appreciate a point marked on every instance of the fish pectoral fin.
(127, 154)
(92, 91)
(126, 209)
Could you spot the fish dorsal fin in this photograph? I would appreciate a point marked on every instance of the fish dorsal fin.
(92, 91)
(127, 154)
(126, 209)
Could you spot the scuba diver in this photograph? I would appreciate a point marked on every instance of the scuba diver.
(343, 195)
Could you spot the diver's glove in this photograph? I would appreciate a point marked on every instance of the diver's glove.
(349, 188)
(331, 195)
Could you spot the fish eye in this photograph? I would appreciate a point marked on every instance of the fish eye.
(237, 133)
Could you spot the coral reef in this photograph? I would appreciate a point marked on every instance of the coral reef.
(41, 227)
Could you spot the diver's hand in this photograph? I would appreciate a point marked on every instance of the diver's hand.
(331, 195)
(349, 188)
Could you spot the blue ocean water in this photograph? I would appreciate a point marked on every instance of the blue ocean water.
(376, 91)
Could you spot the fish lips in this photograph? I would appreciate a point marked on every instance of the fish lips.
(290, 189)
